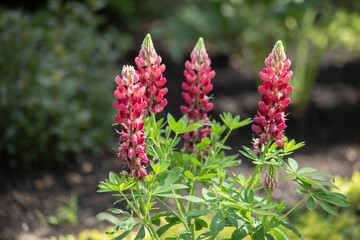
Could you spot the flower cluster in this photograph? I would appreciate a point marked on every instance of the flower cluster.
(151, 75)
(198, 75)
(132, 109)
(270, 121)
(270, 180)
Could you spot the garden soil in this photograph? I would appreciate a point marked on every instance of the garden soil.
(330, 127)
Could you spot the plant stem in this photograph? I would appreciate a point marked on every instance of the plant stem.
(146, 212)
(253, 177)
(181, 212)
(268, 201)
(223, 142)
(292, 209)
(191, 206)
(133, 207)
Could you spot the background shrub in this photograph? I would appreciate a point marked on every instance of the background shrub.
(56, 74)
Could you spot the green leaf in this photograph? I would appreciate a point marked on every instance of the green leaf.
(280, 234)
(292, 228)
(154, 133)
(184, 120)
(163, 189)
(141, 233)
(242, 123)
(234, 218)
(193, 199)
(269, 236)
(249, 153)
(204, 235)
(190, 128)
(322, 182)
(259, 233)
(168, 195)
(307, 170)
(213, 166)
(225, 118)
(197, 213)
(264, 213)
(196, 162)
(186, 235)
(310, 203)
(218, 223)
(165, 228)
(200, 224)
(327, 207)
(207, 176)
(122, 236)
(189, 174)
(240, 178)
(172, 176)
(207, 194)
(250, 196)
(118, 211)
(293, 164)
(297, 146)
(239, 233)
(175, 126)
(126, 224)
(205, 142)
(114, 178)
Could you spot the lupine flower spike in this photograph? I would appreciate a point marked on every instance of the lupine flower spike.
(132, 109)
(269, 123)
(151, 76)
(198, 75)
(270, 181)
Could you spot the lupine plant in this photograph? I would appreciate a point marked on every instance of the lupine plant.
(193, 173)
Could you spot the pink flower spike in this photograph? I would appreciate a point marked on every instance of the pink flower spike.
(198, 76)
(270, 121)
(131, 106)
(150, 71)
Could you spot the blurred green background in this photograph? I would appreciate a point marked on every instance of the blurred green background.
(58, 59)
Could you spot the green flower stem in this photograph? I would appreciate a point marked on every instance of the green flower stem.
(259, 168)
(147, 219)
(268, 202)
(292, 209)
(285, 178)
(136, 202)
(253, 177)
(192, 192)
(166, 205)
(181, 212)
(157, 140)
(132, 206)
(193, 231)
(223, 142)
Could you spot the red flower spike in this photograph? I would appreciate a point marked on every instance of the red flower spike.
(269, 123)
(150, 73)
(198, 76)
(131, 105)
